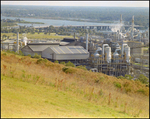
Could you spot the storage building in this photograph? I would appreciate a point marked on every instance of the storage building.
(32, 48)
(65, 53)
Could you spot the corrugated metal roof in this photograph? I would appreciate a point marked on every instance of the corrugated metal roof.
(39, 47)
(47, 43)
(69, 50)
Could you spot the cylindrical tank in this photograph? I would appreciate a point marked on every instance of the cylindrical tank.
(99, 50)
(96, 55)
(127, 51)
(116, 56)
(108, 53)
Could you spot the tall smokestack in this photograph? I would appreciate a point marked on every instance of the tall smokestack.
(87, 41)
(121, 19)
(17, 47)
(74, 35)
(120, 22)
(132, 26)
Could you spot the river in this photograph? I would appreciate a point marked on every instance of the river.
(48, 22)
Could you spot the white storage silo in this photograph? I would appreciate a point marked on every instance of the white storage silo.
(108, 53)
(127, 51)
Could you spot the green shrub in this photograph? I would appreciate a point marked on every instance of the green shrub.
(118, 85)
(102, 78)
(20, 53)
(128, 89)
(39, 61)
(56, 61)
(82, 67)
(45, 60)
(143, 79)
(121, 77)
(29, 55)
(4, 54)
(126, 84)
(68, 70)
(8, 51)
(63, 63)
(37, 56)
(129, 77)
(70, 64)
(141, 91)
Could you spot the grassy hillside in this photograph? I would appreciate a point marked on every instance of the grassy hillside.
(31, 88)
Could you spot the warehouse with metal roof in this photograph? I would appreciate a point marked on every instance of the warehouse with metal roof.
(32, 48)
(65, 53)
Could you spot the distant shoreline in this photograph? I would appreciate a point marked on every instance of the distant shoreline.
(64, 19)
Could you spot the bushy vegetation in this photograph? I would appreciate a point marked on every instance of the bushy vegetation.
(68, 70)
(81, 67)
(63, 63)
(70, 64)
(143, 79)
(37, 56)
(117, 84)
(56, 61)
(21, 53)
(129, 77)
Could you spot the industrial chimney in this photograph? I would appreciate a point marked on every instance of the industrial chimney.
(120, 22)
(121, 19)
(17, 47)
(132, 26)
(74, 35)
(87, 41)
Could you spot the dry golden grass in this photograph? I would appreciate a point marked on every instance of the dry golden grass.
(97, 88)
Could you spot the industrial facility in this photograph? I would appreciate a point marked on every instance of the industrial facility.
(113, 55)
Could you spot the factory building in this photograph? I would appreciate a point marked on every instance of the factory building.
(68, 42)
(65, 53)
(32, 48)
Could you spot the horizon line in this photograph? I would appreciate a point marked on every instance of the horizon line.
(75, 6)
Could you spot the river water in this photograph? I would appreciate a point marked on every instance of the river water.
(48, 22)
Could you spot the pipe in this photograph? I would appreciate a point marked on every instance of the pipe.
(103, 49)
(116, 50)
(122, 48)
(87, 41)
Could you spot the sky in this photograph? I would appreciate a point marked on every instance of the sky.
(80, 3)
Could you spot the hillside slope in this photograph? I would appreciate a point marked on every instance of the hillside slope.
(39, 88)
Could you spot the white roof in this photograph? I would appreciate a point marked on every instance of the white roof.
(69, 50)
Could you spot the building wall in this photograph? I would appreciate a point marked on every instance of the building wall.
(50, 54)
(134, 50)
(133, 45)
(47, 53)
(70, 56)
(27, 50)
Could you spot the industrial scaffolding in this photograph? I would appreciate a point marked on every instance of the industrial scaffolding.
(117, 66)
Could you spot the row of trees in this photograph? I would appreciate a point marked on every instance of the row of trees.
(59, 30)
